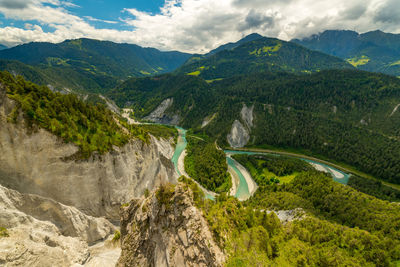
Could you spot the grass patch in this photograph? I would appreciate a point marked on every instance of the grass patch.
(358, 61)
(194, 73)
(145, 72)
(3, 232)
(267, 50)
(117, 236)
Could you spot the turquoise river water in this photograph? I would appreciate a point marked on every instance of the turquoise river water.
(242, 191)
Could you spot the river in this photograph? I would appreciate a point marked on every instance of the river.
(246, 186)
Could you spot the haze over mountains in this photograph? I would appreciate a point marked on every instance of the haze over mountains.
(372, 51)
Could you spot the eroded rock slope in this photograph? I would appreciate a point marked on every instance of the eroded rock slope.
(166, 229)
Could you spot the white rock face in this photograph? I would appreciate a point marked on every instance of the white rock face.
(247, 115)
(43, 232)
(158, 115)
(207, 120)
(239, 135)
(50, 214)
(69, 220)
(34, 163)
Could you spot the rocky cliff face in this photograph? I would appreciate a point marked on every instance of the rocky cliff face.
(159, 115)
(58, 212)
(239, 135)
(166, 229)
(43, 232)
(34, 162)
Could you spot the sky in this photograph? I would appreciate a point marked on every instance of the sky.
(194, 26)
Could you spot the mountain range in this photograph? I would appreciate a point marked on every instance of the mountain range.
(86, 64)
(372, 51)
(258, 55)
(261, 152)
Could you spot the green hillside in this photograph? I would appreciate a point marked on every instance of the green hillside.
(262, 54)
(90, 65)
(91, 127)
(345, 115)
(372, 51)
(336, 226)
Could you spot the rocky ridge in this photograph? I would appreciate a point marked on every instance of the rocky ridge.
(57, 211)
(166, 229)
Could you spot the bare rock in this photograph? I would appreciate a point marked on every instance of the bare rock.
(159, 115)
(171, 233)
(35, 163)
(239, 135)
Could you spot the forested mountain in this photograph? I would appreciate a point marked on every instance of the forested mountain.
(258, 55)
(229, 46)
(373, 51)
(346, 115)
(3, 47)
(90, 65)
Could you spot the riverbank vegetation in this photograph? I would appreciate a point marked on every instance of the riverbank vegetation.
(336, 225)
(269, 169)
(374, 188)
(207, 165)
(343, 115)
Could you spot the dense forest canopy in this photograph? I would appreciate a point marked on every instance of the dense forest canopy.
(343, 115)
(207, 165)
(91, 127)
(260, 55)
(340, 227)
(372, 51)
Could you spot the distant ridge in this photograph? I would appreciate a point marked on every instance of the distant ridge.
(257, 55)
(92, 65)
(372, 51)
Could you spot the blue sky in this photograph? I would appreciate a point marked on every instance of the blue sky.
(98, 12)
(195, 26)
(112, 10)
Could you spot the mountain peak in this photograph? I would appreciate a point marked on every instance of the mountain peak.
(251, 37)
(228, 46)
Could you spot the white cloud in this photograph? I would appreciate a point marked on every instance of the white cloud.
(100, 20)
(201, 25)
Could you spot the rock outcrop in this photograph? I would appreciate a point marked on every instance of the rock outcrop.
(247, 115)
(43, 232)
(159, 115)
(166, 229)
(35, 162)
(239, 135)
(53, 206)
